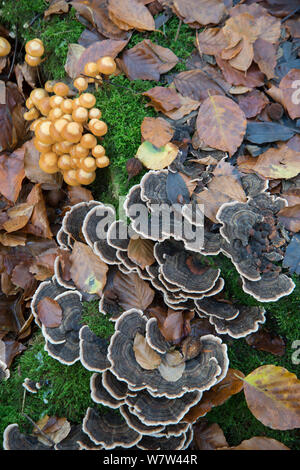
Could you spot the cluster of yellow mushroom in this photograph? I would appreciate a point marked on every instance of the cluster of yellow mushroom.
(34, 51)
(5, 47)
(66, 130)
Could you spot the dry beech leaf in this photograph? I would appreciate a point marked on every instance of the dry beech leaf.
(221, 123)
(96, 12)
(131, 291)
(155, 158)
(13, 239)
(241, 32)
(12, 174)
(226, 179)
(277, 163)
(258, 443)
(147, 61)
(19, 216)
(211, 41)
(265, 55)
(87, 271)
(217, 395)
(157, 131)
(38, 224)
(108, 47)
(265, 341)
(208, 436)
(9, 349)
(49, 312)
(176, 325)
(196, 85)
(12, 123)
(253, 103)
(273, 397)
(253, 78)
(74, 53)
(140, 251)
(163, 99)
(57, 7)
(198, 13)
(130, 14)
(187, 105)
(290, 92)
(289, 217)
(145, 356)
(55, 428)
(78, 194)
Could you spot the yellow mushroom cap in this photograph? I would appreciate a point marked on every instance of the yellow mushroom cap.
(87, 100)
(5, 47)
(48, 162)
(32, 61)
(102, 162)
(34, 47)
(61, 89)
(80, 83)
(106, 65)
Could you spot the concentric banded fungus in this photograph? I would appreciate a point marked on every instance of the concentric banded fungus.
(62, 342)
(13, 439)
(50, 289)
(154, 337)
(161, 410)
(216, 308)
(162, 443)
(199, 374)
(271, 287)
(252, 239)
(99, 393)
(109, 430)
(135, 423)
(245, 323)
(93, 351)
(116, 388)
(73, 220)
(30, 385)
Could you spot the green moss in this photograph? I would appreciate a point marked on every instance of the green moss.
(99, 323)
(66, 393)
(56, 33)
(124, 134)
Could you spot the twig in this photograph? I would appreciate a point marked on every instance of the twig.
(34, 19)
(178, 30)
(38, 429)
(290, 15)
(14, 57)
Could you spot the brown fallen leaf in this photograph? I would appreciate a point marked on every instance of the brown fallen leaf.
(265, 341)
(56, 7)
(96, 12)
(276, 163)
(18, 217)
(217, 395)
(145, 356)
(140, 251)
(78, 194)
(211, 41)
(197, 13)
(208, 436)
(273, 397)
(253, 103)
(187, 105)
(87, 271)
(56, 429)
(163, 99)
(221, 123)
(158, 131)
(130, 291)
(130, 14)
(265, 56)
(12, 124)
(9, 349)
(49, 312)
(253, 78)
(38, 224)
(147, 61)
(258, 443)
(241, 32)
(289, 217)
(196, 85)
(12, 173)
(74, 53)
